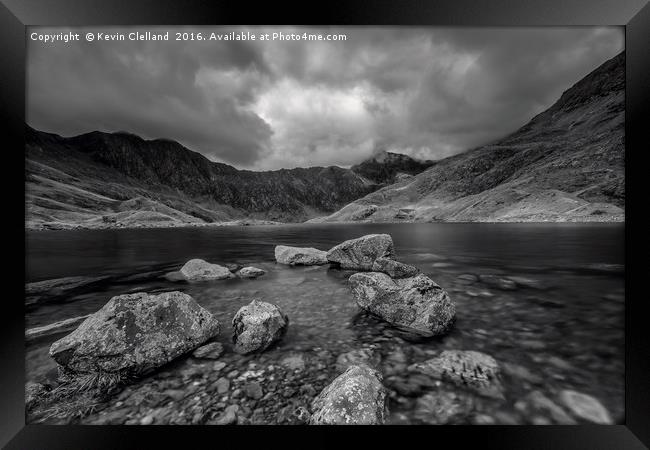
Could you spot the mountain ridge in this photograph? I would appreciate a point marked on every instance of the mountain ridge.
(65, 176)
(565, 164)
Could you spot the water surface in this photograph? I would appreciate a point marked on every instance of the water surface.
(564, 322)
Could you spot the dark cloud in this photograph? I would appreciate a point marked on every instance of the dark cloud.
(427, 92)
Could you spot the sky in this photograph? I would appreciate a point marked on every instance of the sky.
(264, 105)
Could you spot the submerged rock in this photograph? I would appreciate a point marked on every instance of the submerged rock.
(443, 407)
(213, 350)
(135, 333)
(297, 256)
(356, 397)
(415, 304)
(394, 268)
(199, 270)
(293, 362)
(258, 325)
(470, 369)
(54, 328)
(356, 357)
(250, 272)
(536, 402)
(585, 407)
(498, 282)
(361, 253)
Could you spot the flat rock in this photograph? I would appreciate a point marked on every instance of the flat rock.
(299, 256)
(200, 270)
(135, 333)
(469, 369)
(356, 397)
(585, 407)
(54, 328)
(361, 253)
(250, 272)
(394, 269)
(43, 291)
(258, 325)
(293, 362)
(213, 350)
(417, 304)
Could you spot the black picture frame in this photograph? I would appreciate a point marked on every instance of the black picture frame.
(634, 15)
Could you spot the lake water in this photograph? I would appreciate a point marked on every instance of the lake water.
(564, 323)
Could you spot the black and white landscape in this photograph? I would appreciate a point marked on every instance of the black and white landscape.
(414, 226)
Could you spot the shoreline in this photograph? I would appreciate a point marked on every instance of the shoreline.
(63, 226)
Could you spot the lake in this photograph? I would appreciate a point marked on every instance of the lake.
(561, 328)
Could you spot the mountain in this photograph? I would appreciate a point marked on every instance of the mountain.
(119, 179)
(387, 168)
(566, 164)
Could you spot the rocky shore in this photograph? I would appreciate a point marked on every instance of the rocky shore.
(157, 358)
(166, 223)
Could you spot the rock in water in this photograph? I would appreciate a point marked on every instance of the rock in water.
(415, 304)
(135, 333)
(536, 402)
(394, 268)
(361, 253)
(443, 407)
(356, 397)
(212, 350)
(364, 356)
(473, 370)
(585, 407)
(257, 325)
(296, 256)
(54, 328)
(250, 272)
(198, 270)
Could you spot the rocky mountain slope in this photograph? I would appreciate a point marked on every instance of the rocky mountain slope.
(119, 179)
(566, 164)
(388, 168)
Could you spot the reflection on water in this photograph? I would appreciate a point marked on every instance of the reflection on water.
(563, 322)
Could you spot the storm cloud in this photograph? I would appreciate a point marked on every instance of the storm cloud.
(427, 92)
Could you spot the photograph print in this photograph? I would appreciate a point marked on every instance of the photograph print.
(245, 225)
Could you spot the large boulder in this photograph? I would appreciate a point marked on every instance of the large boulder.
(394, 269)
(356, 397)
(472, 370)
(416, 304)
(361, 253)
(199, 270)
(297, 256)
(258, 325)
(135, 333)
